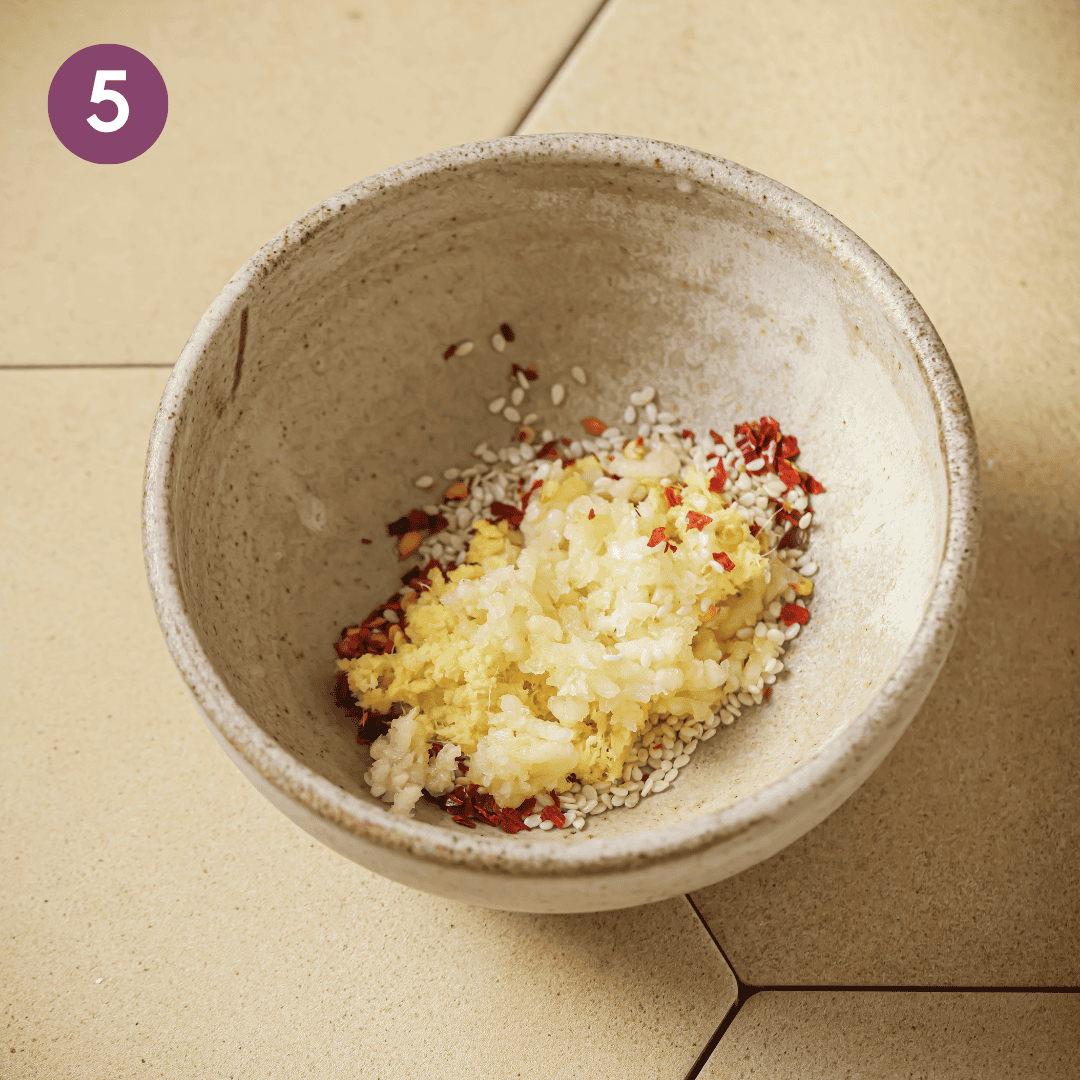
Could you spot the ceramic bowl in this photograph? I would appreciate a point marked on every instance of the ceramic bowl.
(314, 391)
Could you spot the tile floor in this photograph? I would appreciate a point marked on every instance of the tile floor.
(928, 928)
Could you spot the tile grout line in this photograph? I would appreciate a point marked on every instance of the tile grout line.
(556, 71)
(741, 996)
(745, 991)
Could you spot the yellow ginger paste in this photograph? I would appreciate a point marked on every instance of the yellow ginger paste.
(551, 649)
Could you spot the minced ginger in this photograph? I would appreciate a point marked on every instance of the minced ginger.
(553, 648)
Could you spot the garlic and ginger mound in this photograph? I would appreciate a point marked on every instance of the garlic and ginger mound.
(551, 649)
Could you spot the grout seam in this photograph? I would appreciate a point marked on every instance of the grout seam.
(557, 69)
(746, 991)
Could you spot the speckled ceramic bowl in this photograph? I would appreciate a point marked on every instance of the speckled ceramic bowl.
(314, 391)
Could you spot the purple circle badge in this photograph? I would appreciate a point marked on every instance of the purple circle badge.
(108, 104)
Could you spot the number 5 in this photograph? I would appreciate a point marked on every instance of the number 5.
(99, 94)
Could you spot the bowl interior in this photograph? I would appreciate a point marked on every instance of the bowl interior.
(324, 393)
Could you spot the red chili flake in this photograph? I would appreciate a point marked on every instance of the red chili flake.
(718, 439)
(526, 808)
(755, 529)
(794, 613)
(548, 450)
(768, 430)
(687, 433)
(788, 473)
(459, 490)
(811, 486)
(434, 748)
(789, 516)
(766, 693)
(565, 442)
(594, 426)
(437, 523)
(792, 538)
(350, 647)
(672, 496)
(451, 349)
(364, 540)
(724, 560)
(554, 815)
(506, 331)
(719, 478)
(694, 520)
(530, 373)
(659, 536)
(505, 512)
(592, 514)
(399, 527)
(789, 447)
(418, 519)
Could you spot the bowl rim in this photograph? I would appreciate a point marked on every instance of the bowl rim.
(823, 777)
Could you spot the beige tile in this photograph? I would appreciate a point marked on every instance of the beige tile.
(881, 1036)
(947, 137)
(227, 942)
(273, 106)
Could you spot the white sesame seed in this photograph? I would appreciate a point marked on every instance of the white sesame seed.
(661, 785)
(643, 396)
(791, 631)
(760, 630)
(618, 800)
(646, 788)
(809, 569)
(451, 474)
(558, 392)
(629, 415)
(666, 417)
(755, 465)
(579, 823)
(498, 342)
(517, 395)
(431, 509)
(651, 413)
(531, 418)
(512, 414)
(578, 374)
(464, 349)
(589, 792)
(632, 800)
(526, 451)
(681, 760)
(805, 520)
(523, 381)
(497, 405)
(489, 457)
(547, 826)
(424, 481)
(709, 734)
(776, 636)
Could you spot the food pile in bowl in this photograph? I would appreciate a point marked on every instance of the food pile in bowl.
(568, 626)
(585, 613)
